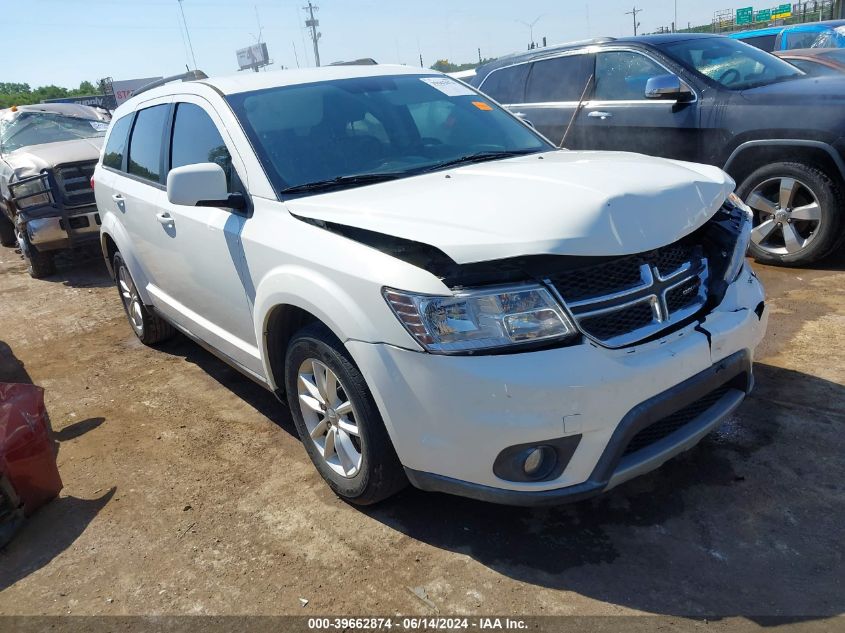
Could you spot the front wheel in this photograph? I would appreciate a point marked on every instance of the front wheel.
(337, 419)
(798, 215)
(39, 264)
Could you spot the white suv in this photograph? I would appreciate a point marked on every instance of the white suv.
(440, 295)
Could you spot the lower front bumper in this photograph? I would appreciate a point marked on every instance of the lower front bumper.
(58, 232)
(731, 377)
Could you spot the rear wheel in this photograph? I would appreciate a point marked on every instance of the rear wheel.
(798, 215)
(7, 231)
(337, 419)
(148, 327)
(39, 264)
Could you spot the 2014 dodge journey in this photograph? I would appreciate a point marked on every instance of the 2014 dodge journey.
(441, 296)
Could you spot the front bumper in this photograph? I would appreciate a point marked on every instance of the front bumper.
(450, 416)
(70, 228)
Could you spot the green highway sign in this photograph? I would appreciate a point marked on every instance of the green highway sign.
(764, 15)
(744, 15)
(782, 11)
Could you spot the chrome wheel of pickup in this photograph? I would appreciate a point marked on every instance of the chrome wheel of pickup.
(329, 417)
(788, 215)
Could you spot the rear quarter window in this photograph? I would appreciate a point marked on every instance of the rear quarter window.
(116, 145)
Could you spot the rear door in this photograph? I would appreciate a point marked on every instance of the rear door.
(138, 189)
(552, 91)
(619, 117)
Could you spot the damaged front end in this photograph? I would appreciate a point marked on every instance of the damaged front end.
(614, 301)
(55, 209)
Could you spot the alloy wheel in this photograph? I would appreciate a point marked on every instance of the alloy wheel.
(131, 300)
(787, 215)
(329, 417)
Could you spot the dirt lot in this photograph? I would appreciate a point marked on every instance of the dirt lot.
(187, 491)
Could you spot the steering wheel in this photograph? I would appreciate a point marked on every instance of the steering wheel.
(734, 75)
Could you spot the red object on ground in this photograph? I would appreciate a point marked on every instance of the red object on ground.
(27, 450)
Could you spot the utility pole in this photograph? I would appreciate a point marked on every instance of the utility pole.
(312, 24)
(675, 23)
(634, 12)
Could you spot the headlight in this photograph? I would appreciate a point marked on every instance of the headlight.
(31, 192)
(482, 319)
(744, 217)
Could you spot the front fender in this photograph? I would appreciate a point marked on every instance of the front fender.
(364, 317)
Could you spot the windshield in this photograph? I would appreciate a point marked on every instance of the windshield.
(734, 64)
(376, 127)
(35, 128)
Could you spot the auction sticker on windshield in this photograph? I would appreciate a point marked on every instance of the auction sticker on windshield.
(448, 87)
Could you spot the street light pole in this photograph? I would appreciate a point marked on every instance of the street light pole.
(531, 29)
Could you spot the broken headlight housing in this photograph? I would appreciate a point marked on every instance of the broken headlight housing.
(742, 215)
(31, 192)
(477, 320)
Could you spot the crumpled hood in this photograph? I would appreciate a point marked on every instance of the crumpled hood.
(33, 159)
(557, 203)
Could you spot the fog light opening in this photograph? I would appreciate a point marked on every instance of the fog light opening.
(539, 461)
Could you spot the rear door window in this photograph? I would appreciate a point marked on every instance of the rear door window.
(197, 140)
(506, 85)
(116, 145)
(558, 79)
(622, 75)
(146, 143)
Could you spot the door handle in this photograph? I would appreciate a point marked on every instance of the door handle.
(164, 218)
(598, 114)
(117, 197)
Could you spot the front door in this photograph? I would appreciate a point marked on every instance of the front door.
(201, 272)
(619, 117)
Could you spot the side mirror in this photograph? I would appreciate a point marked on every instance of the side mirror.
(667, 87)
(201, 185)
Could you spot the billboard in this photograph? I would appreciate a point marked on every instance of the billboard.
(96, 101)
(253, 56)
(123, 89)
(744, 15)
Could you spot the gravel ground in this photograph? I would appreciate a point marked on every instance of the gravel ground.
(188, 492)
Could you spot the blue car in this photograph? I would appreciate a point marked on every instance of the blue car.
(829, 34)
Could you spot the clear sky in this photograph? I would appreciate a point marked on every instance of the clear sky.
(65, 41)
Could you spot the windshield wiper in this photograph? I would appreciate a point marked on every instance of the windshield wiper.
(342, 181)
(479, 157)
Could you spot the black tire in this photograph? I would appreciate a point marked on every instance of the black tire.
(39, 264)
(7, 231)
(150, 328)
(826, 234)
(380, 474)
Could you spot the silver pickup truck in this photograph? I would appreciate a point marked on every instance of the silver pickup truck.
(47, 158)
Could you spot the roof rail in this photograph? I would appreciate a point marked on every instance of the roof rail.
(191, 75)
(364, 61)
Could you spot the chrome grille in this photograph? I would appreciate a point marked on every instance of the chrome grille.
(628, 299)
(75, 183)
